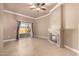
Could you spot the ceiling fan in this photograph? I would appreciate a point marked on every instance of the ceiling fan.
(38, 6)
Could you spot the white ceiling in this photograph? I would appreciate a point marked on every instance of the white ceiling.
(23, 8)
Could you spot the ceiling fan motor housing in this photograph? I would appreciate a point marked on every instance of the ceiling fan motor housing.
(39, 4)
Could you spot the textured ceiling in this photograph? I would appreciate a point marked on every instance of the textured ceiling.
(23, 8)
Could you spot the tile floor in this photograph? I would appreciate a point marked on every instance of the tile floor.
(33, 47)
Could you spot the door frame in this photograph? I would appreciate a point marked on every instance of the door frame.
(18, 26)
(17, 32)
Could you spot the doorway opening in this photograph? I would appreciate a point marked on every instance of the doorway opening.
(24, 30)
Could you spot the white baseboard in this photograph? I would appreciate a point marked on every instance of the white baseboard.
(72, 49)
(53, 43)
(9, 40)
(40, 36)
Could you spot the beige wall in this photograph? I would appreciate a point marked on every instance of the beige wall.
(70, 22)
(10, 25)
(55, 19)
(1, 27)
(42, 27)
(55, 24)
(45, 23)
(0, 30)
(78, 25)
(70, 19)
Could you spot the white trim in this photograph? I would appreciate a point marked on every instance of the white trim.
(72, 49)
(15, 13)
(9, 40)
(40, 36)
(50, 11)
(53, 43)
(55, 7)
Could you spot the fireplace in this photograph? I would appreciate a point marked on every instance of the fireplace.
(54, 35)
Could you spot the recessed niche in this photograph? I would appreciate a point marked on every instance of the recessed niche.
(54, 38)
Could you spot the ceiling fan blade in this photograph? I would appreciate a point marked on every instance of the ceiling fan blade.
(32, 7)
(43, 8)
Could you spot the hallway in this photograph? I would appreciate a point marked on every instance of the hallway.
(33, 47)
